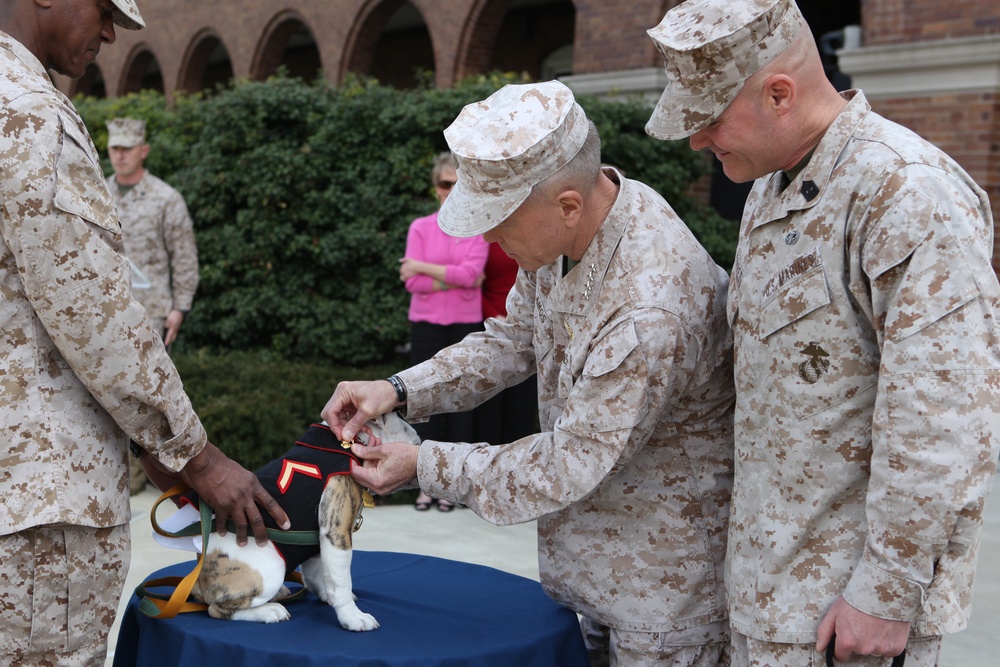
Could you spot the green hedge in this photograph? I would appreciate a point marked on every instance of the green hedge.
(302, 195)
(255, 406)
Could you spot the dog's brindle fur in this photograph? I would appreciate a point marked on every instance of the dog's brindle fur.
(240, 583)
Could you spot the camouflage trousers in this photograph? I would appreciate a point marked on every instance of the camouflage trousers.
(59, 592)
(702, 646)
(747, 652)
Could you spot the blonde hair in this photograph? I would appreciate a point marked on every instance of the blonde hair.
(442, 160)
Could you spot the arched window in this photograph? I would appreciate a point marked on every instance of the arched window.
(403, 49)
(287, 43)
(142, 73)
(91, 83)
(206, 65)
(532, 31)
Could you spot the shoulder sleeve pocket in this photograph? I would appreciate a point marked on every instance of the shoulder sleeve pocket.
(936, 281)
(918, 271)
(611, 350)
(80, 188)
(612, 390)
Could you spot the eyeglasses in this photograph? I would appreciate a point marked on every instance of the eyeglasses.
(445, 185)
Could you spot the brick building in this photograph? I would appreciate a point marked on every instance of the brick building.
(932, 66)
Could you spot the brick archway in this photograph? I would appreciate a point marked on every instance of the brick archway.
(287, 41)
(359, 51)
(92, 83)
(475, 48)
(141, 72)
(205, 64)
(514, 36)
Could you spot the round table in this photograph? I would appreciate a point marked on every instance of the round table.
(431, 611)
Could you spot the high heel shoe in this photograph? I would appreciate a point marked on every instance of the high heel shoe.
(445, 506)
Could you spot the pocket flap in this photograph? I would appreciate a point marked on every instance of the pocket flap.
(794, 300)
(611, 350)
(80, 190)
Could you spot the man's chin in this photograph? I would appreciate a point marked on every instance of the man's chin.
(71, 72)
(77, 68)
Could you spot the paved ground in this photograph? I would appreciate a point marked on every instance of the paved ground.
(461, 535)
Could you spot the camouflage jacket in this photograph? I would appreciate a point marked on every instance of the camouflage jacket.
(631, 475)
(159, 239)
(82, 371)
(864, 312)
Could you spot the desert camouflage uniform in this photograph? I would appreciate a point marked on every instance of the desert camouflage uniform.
(864, 312)
(631, 475)
(756, 653)
(82, 370)
(159, 239)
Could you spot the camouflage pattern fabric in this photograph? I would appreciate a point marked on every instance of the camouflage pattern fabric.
(864, 310)
(59, 590)
(159, 239)
(504, 145)
(700, 646)
(630, 477)
(707, 58)
(126, 15)
(82, 369)
(922, 652)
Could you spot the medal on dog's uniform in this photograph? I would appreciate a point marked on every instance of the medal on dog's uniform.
(366, 494)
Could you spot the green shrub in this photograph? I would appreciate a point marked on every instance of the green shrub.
(254, 406)
(302, 194)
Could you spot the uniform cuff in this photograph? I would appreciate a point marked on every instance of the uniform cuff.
(883, 595)
(174, 453)
(439, 474)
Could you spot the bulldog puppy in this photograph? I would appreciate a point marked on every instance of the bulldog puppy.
(312, 482)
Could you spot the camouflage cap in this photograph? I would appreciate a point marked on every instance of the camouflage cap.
(505, 145)
(127, 15)
(710, 48)
(126, 132)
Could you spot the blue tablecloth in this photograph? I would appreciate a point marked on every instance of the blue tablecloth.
(432, 611)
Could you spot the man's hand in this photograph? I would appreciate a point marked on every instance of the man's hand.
(172, 326)
(387, 468)
(232, 491)
(162, 478)
(354, 403)
(860, 633)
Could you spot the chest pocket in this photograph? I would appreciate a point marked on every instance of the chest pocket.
(812, 360)
(794, 300)
(80, 190)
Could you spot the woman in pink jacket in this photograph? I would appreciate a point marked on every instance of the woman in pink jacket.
(443, 274)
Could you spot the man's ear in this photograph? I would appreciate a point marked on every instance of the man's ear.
(145, 151)
(780, 93)
(570, 206)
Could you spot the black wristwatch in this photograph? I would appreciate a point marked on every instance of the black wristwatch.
(400, 388)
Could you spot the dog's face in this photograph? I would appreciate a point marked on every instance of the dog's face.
(240, 583)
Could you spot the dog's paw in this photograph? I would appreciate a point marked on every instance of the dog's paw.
(356, 620)
(270, 612)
